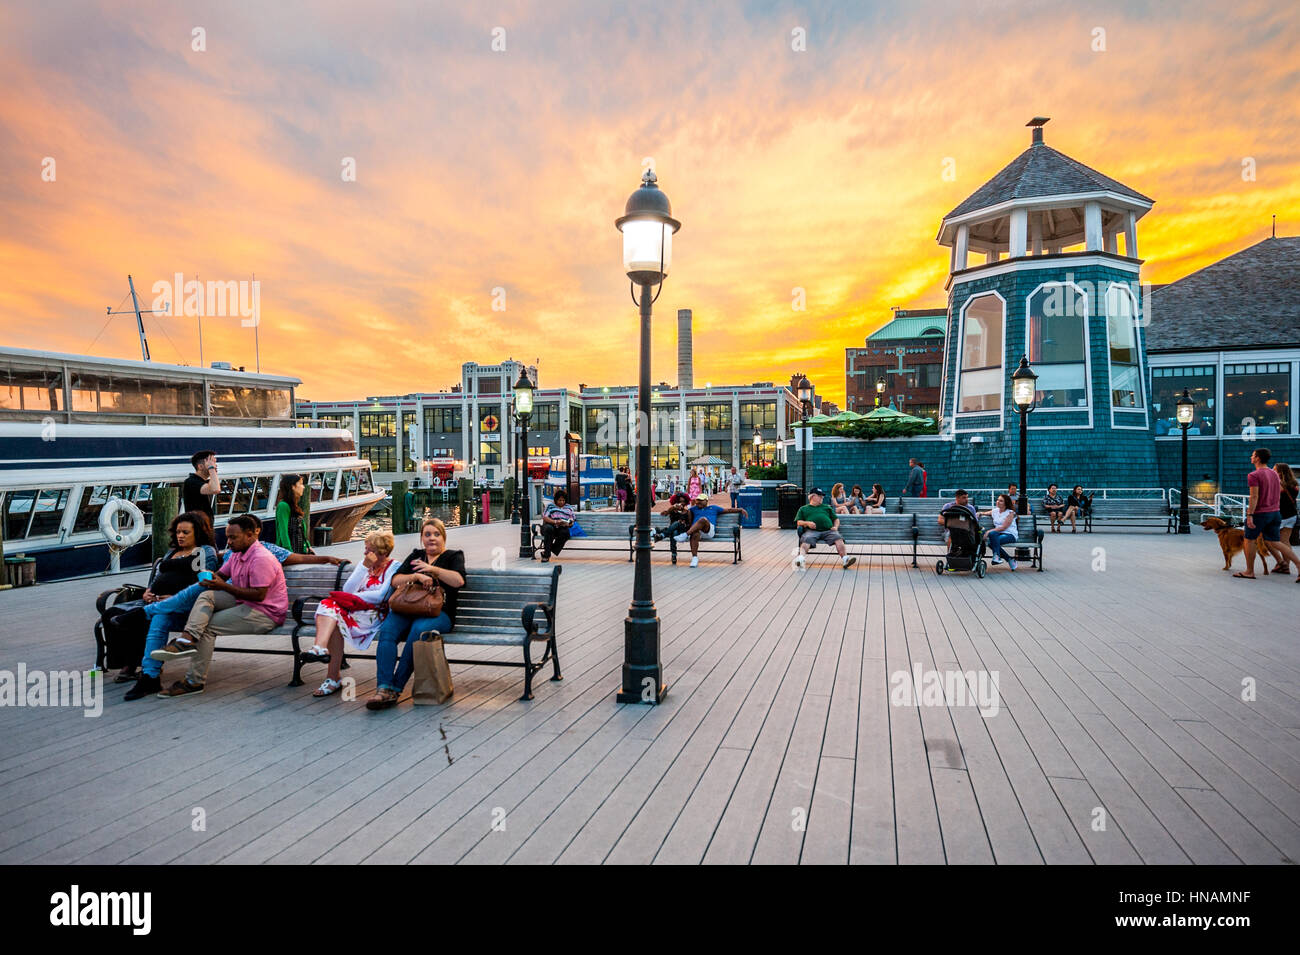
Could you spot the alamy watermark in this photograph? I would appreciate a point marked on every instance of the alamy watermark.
(77, 688)
(947, 688)
(197, 299)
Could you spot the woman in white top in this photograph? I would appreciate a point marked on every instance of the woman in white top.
(356, 620)
(1003, 514)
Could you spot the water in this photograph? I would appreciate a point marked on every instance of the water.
(449, 514)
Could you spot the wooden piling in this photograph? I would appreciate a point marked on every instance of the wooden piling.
(398, 511)
(164, 505)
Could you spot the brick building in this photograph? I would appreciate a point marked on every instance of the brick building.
(907, 354)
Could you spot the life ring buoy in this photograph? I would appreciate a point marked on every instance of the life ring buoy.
(121, 535)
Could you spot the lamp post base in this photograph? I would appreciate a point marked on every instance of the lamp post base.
(643, 682)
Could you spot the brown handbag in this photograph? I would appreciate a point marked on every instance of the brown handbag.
(421, 596)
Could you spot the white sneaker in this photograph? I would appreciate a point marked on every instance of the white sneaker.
(695, 562)
(682, 538)
(800, 562)
(995, 561)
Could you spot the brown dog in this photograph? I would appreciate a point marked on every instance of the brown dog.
(1233, 539)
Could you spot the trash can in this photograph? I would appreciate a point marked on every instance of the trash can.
(751, 499)
(789, 498)
(322, 535)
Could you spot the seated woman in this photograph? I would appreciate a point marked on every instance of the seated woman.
(1054, 506)
(431, 559)
(556, 521)
(876, 500)
(191, 551)
(355, 621)
(839, 500)
(290, 521)
(1003, 514)
(1074, 505)
(857, 500)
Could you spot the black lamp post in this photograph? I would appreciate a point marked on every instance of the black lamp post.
(1022, 396)
(805, 406)
(524, 410)
(1186, 409)
(647, 226)
(880, 389)
(758, 447)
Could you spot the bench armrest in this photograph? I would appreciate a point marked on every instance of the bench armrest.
(300, 605)
(528, 615)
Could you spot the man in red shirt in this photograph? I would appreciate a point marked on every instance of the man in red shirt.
(1263, 514)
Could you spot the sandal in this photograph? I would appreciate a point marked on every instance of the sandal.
(126, 675)
(382, 700)
(1243, 575)
(328, 688)
(314, 654)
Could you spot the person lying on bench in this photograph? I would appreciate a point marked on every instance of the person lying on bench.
(247, 595)
(556, 521)
(704, 524)
(818, 524)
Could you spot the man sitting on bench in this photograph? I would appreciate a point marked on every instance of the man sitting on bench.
(247, 595)
(704, 524)
(818, 524)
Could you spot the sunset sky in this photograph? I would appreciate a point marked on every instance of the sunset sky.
(477, 169)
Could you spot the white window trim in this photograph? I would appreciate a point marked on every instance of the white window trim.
(1087, 354)
(1145, 410)
(958, 417)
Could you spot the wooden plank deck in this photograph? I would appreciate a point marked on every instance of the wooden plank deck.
(1120, 698)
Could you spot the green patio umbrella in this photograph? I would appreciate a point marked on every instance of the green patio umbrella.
(815, 419)
(847, 416)
(893, 414)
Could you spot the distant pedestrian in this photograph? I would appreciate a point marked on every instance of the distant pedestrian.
(201, 486)
(915, 479)
(695, 485)
(734, 484)
(925, 478)
(1263, 515)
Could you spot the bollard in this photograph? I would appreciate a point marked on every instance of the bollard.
(508, 501)
(464, 490)
(398, 512)
(486, 513)
(164, 503)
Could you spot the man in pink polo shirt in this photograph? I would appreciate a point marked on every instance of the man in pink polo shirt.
(248, 595)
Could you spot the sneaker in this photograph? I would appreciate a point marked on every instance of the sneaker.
(995, 561)
(180, 688)
(683, 538)
(143, 687)
(800, 562)
(176, 650)
(1011, 563)
(695, 562)
(849, 562)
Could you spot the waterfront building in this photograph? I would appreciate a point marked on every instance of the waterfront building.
(908, 353)
(1230, 334)
(470, 430)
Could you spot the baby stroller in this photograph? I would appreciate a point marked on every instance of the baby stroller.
(965, 543)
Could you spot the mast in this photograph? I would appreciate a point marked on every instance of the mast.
(139, 320)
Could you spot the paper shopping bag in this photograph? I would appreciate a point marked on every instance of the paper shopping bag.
(432, 676)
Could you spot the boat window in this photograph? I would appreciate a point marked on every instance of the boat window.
(349, 483)
(49, 511)
(92, 499)
(262, 493)
(244, 496)
(231, 401)
(221, 505)
(25, 390)
(125, 394)
(364, 484)
(331, 479)
(17, 513)
(144, 499)
(315, 484)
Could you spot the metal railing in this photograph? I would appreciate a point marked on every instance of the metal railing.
(988, 495)
(1231, 504)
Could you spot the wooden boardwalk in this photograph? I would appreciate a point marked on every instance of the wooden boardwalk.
(1121, 735)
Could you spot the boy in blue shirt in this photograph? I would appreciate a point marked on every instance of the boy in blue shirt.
(704, 524)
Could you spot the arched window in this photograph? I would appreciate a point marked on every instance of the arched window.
(1058, 345)
(982, 381)
(1125, 364)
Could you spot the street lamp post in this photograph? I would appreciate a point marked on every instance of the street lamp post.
(524, 410)
(880, 389)
(805, 406)
(1186, 409)
(647, 226)
(758, 447)
(1022, 396)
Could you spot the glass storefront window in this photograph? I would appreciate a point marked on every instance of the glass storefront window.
(1167, 386)
(1258, 395)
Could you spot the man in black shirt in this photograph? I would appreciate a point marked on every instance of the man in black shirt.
(200, 487)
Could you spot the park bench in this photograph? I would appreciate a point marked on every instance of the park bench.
(726, 538)
(1130, 512)
(495, 608)
(861, 532)
(600, 528)
(930, 533)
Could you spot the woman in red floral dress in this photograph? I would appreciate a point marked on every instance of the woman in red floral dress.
(355, 614)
